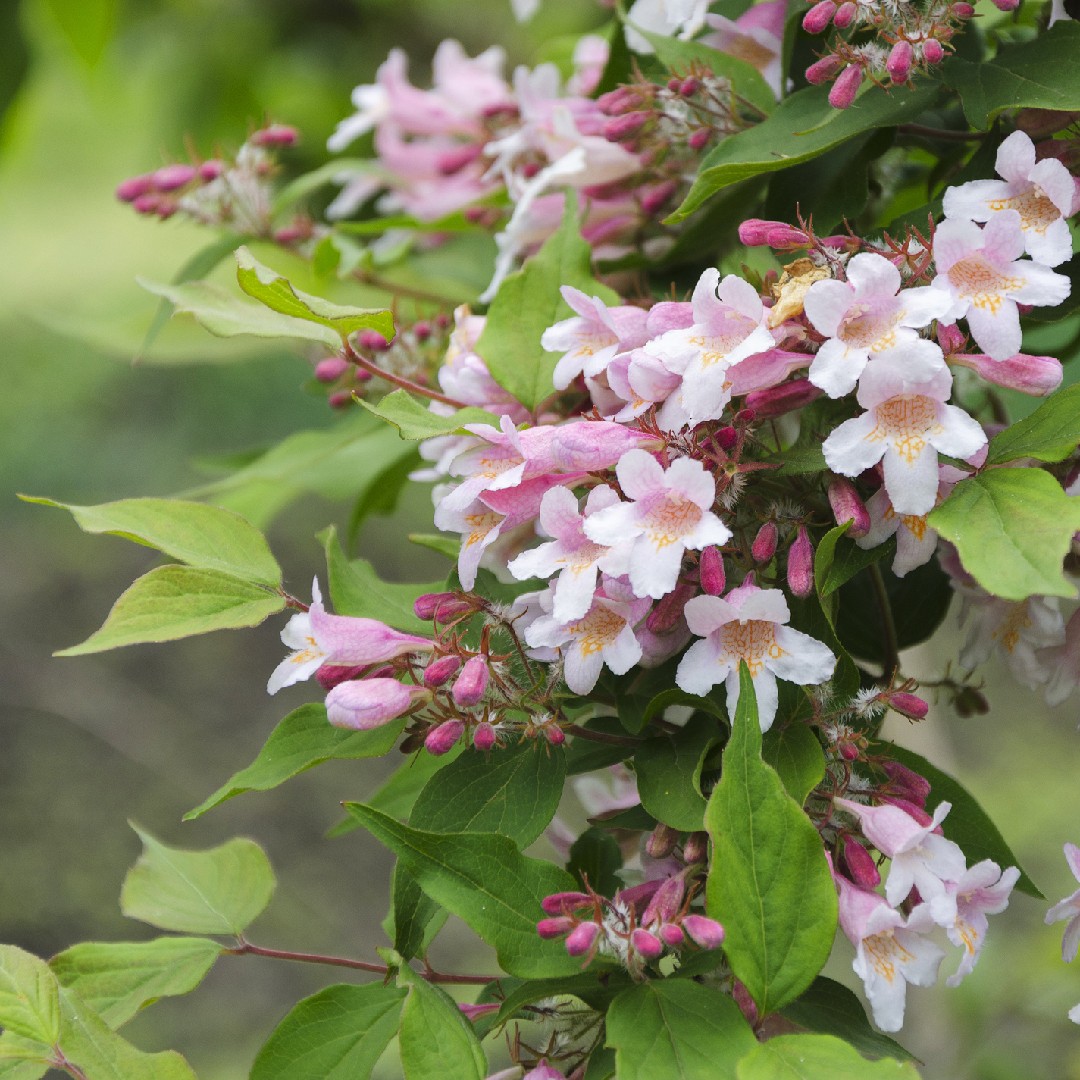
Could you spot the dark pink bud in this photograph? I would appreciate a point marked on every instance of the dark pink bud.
(554, 734)
(787, 238)
(438, 671)
(849, 751)
(1006, 5)
(621, 100)
(913, 810)
(543, 1071)
(667, 900)
(845, 15)
(754, 232)
(455, 160)
(951, 338)
(906, 782)
(689, 87)
(330, 675)
(847, 506)
(470, 685)
(645, 944)
(696, 848)
(819, 16)
(901, 57)
(910, 705)
(441, 606)
(626, 126)
(671, 935)
(422, 331)
(674, 83)
(582, 938)
(152, 203)
(211, 170)
(1036, 375)
(962, 11)
(372, 340)
(331, 369)
(699, 139)
(764, 545)
(846, 87)
(561, 903)
(703, 931)
(658, 197)
(800, 564)
(442, 739)
(861, 867)
(638, 896)
(932, 52)
(821, 71)
(171, 177)
(483, 737)
(129, 190)
(661, 842)
(553, 928)
(726, 438)
(275, 135)
(711, 571)
(666, 614)
(787, 397)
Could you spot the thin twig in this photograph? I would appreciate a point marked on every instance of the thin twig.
(399, 380)
(888, 626)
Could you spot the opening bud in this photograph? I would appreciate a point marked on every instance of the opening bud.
(442, 739)
(440, 606)
(371, 703)
(667, 900)
(561, 903)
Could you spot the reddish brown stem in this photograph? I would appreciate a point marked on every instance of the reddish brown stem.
(398, 380)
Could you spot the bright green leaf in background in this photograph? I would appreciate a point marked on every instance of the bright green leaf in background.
(179, 601)
(29, 996)
(817, 1057)
(1050, 433)
(1012, 528)
(88, 25)
(219, 891)
(769, 883)
(436, 1040)
(191, 532)
(416, 421)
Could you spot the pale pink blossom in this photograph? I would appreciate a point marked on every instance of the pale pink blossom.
(756, 36)
(370, 703)
(670, 511)
(980, 270)
(665, 17)
(1069, 908)
(907, 423)
(1041, 192)
(749, 624)
(1035, 375)
(1063, 661)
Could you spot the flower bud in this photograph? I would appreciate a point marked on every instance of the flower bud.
(655, 199)
(819, 16)
(211, 169)
(846, 86)
(1035, 375)
(646, 945)
(438, 671)
(711, 571)
(754, 232)
(331, 675)
(582, 938)
(129, 190)
(171, 177)
(561, 903)
(703, 931)
(470, 685)
(1006, 5)
(474, 1012)
(782, 399)
(961, 10)
(764, 545)
(932, 52)
(800, 564)
(671, 935)
(661, 842)
(907, 783)
(331, 369)
(372, 341)
(553, 928)
(483, 737)
(899, 62)
(626, 126)
(821, 71)
(699, 139)
(689, 86)
(847, 506)
(666, 901)
(440, 606)
(951, 338)
(621, 100)
(275, 135)
(371, 703)
(340, 399)
(849, 751)
(668, 611)
(442, 739)
(726, 438)
(543, 1071)
(696, 848)
(554, 734)
(845, 15)
(910, 705)
(860, 864)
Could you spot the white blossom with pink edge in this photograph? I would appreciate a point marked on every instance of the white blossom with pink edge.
(870, 315)
(1041, 192)
(980, 270)
(571, 554)
(1063, 661)
(1069, 908)
(749, 624)
(891, 951)
(907, 423)
(670, 512)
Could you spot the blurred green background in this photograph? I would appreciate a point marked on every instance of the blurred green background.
(94, 91)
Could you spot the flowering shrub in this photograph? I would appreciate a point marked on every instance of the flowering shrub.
(695, 512)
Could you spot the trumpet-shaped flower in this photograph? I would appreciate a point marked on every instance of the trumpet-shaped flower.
(749, 624)
(982, 890)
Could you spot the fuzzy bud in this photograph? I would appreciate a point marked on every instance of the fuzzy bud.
(899, 63)
(657, 197)
(847, 506)
(626, 126)
(689, 86)
(703, 931)
(616, 102)
(442, 739)
(331, 369)
(754, 232)
(646, 945)
(211, 169)
(764, 545)
(1006, 5)
(661, 842)
(668, 611)
(726, 438)
(961, 10)
(671, 935)
(471, 684)
(845, 15)
(582, 938)
(696, 848)
(861, 867)
(331, 675)
(846, 87)
(440, 606)
(785, 398)
(819, 16)
(800, 564)
(667, 900)
(483, 737)
(340, 399)
(561, 903)
(932, 51)
(849, 751)
(821, 71)
(554, 928)
(711, 571)
(438, 671)
(910, 705)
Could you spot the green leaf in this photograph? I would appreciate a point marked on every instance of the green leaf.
(22, 1066)
(1038, 74)
(29, 996)
(595, 988)
(415, 421)
(668, 771)
(116, 979)
(800, 460)
(817, 1057)
(220, 891)
(664, 700)
(967, 824)
(795, 753)
(1012, 529)
(848, 559)
(88, 25)
(595, 859)
(337, 1034)
(769, 884)
(1050, 433)
(301, 741)
(179, 601)
(356, 590)
(484, 880)
(436, 1040)
(832, 1009)
(803, 126)
(277, 293)
(678, 1030)
(528, 302)
(193, 533)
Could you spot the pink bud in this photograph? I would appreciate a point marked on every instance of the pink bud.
(331, 675)
(782, 399)
(372, 341)
(658, 197)
(129, 190)
(474, 1012)
(671, 935)
(819, 16)
(171, 177)
(211, 169)
(626, 126)
(553, 928)
(455, 160)
(621, 100)
(667, 900)
(764, 545)
(754, 232)
(699, 139)
(711, 571)
(483, 737)
(800, 564)
(846, 87)
(543, 1071)
(703, 931)
(845, 15)
(906, 782)
(582, 938)
(910, 705)
(340, 399)
(442, 739)
(561, 903)
(962, 10)
(275, 135)
(441, 606)
(689, 87)
(951, 338)
(726, 438)
(932, 52)
(861, 867)
(821, 71)
(438, 671)
(847, 506)
(661, 842)
(645, 944)
(666, 614)
(900, 60)
(696, 848)
(787, 238)
(470, 685)
(1035, 375)
(1006, 5)
(371, 703)
(913, 810)
(331, 369)
(849, 752)
(554, 734)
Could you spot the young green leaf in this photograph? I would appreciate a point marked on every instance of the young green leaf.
(416, 421)
(1050, 433)
(337, 1034)
(29, 996)
(435, 1038)
(769, 884)
(678, 1030)
(817, 1057)
(220, 891)
(1012, 528)
(190, 532)
(116, 979)
(174, 602)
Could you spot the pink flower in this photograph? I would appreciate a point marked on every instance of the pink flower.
(1069, 908)
(982, 890)
(1036, 375)
(749, 624)
(755, 36)
(371, 703)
